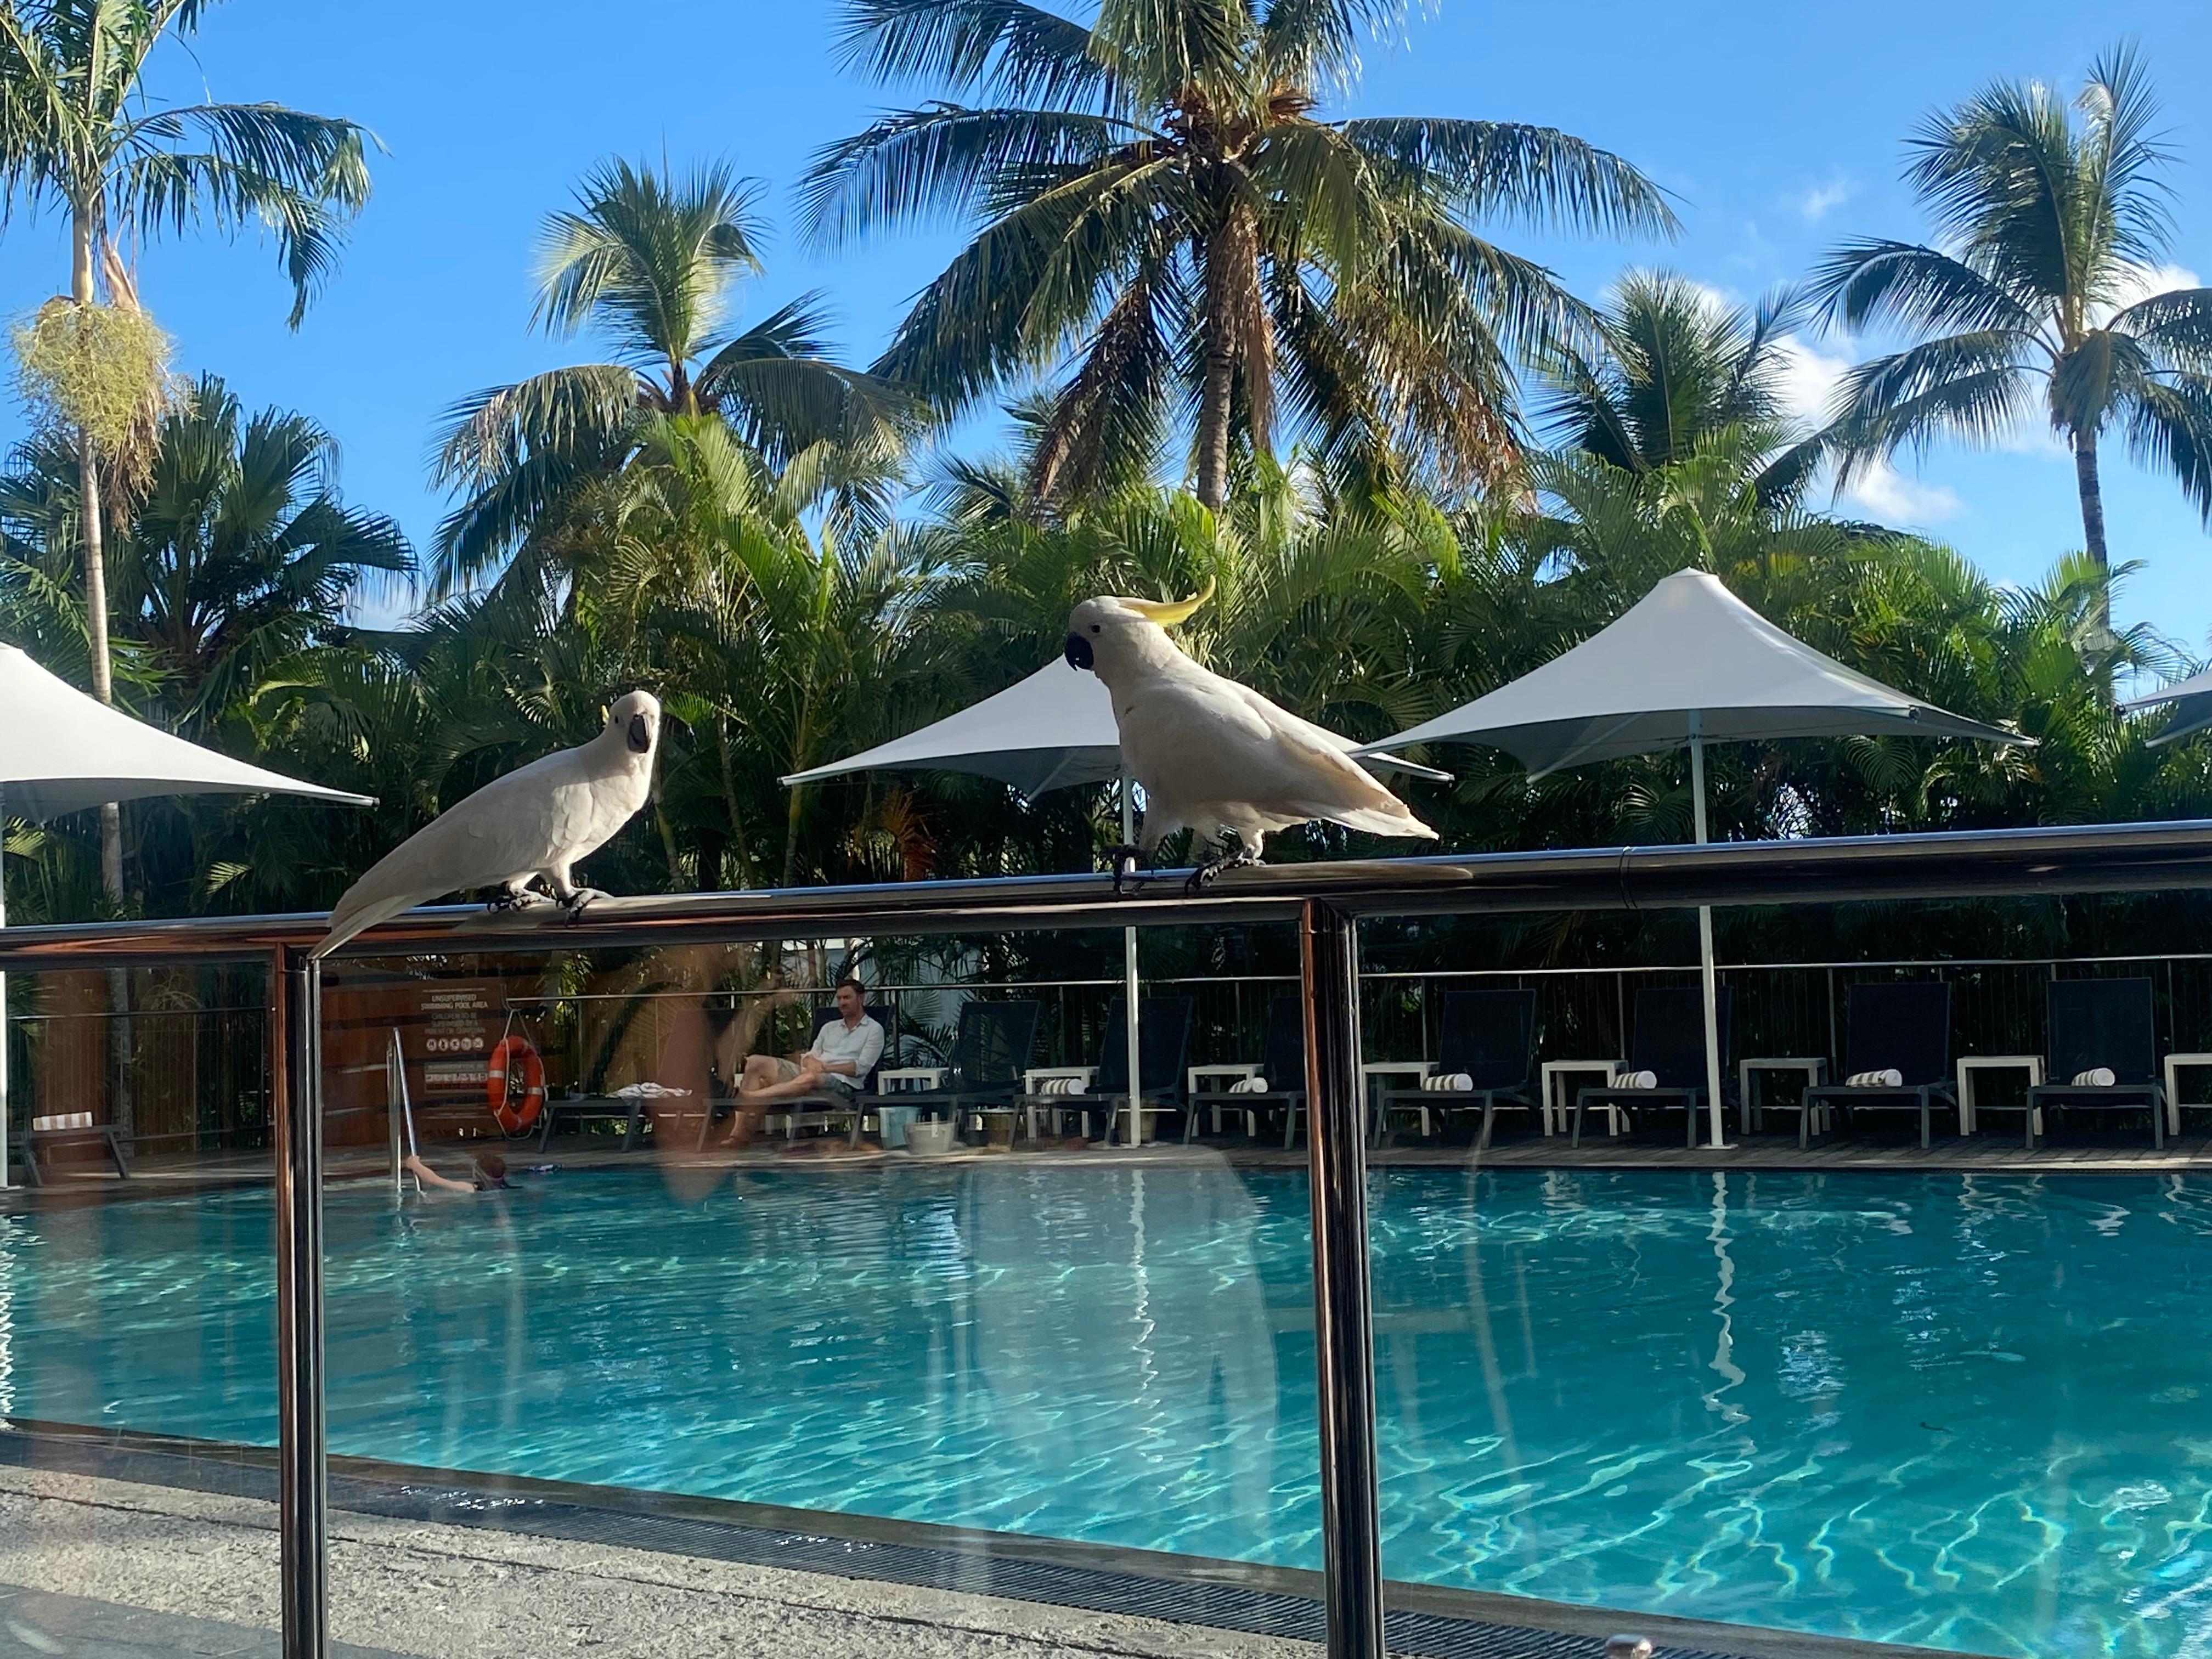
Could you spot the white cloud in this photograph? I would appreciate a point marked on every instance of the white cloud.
(1817, 201)
(1809, 379)
(1882, 492)
(2141, 282)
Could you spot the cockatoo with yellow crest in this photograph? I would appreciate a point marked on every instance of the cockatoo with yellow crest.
(1214, 757)
(534, 825)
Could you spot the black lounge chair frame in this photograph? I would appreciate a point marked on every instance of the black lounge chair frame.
(2100, 1021)
(1669, 1042)
(1162, 1042)
(1284, 1067)
(1902, 1027)
(993, 1047)
(1490, 1038)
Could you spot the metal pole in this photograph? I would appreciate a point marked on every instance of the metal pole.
(303, 1497)
(1133, 1017)
(4, 1026)
(1352, 1547)
(1713, 998)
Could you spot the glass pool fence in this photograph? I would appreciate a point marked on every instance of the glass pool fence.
(996, 1347)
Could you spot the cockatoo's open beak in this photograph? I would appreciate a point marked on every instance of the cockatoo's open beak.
(1077, 652)
(641, 735)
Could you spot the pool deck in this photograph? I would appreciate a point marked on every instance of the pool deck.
(1984, 1153)
(180, 1557)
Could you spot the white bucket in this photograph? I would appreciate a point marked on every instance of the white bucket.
(932, 1140)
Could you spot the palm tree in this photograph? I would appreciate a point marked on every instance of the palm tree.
(1675, 366)
(78, 131)
(1157, 196)
(2048, 222)
(650, 263)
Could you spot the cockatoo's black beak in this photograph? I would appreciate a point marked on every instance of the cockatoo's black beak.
(1077, 651)
(641, 735)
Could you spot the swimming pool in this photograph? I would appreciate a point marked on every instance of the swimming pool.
(1967, 1413)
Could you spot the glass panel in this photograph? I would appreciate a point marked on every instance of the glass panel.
(1848, 1387)
(137, 1313)
(735, 1337)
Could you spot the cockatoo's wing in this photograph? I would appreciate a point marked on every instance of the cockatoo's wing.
(1194, 738)
(541, 816)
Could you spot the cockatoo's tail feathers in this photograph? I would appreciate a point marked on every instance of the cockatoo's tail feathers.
(1382, 821)
(347, 921)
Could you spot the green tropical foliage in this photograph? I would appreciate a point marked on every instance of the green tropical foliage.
(1161, 211)
(1471, 471)
(649, 263)
(2051, 223)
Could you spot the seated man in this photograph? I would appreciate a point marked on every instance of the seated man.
(845, 1050)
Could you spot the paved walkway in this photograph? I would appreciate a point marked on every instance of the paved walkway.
(35, 1622)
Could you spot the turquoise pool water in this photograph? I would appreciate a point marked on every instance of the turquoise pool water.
(1972, 1413)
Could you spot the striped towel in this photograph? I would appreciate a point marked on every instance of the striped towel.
(1248, 1085)
(2097, 1077)
(1889, 1078)
(63, 1120)
(1059, 1085)
(1449, 1083)
(1637, 1081)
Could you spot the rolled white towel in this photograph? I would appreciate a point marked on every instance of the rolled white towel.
(1888, 1078)
(1637, 1081)
(2097, 1077)
(1248, 1085)
(1448, 1083)
(649, 1091)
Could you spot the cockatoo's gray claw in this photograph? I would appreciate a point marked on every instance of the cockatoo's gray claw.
(1206, 874)
(513, 898)
(579, 899)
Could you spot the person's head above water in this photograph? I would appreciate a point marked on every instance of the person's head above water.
(493, 1168)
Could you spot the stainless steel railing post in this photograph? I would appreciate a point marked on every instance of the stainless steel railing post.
(303, 1498)
(1351, 1552)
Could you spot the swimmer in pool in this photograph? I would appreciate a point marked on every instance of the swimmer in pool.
(490, 1172)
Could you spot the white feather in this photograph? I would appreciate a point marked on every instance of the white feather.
(1216, 756)
(536, 822)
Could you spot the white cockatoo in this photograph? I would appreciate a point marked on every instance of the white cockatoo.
(1212, 755)
(533, 824)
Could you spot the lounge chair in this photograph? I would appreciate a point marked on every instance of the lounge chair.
(1901, 1027)
(1489, 1037)
(814, 1110)
(1669, 1042)
(29, 1142)
(984, 1070)
(2099, 1023)
(1162, 1041)
(1283, 1069)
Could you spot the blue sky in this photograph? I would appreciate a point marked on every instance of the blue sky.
(1779, 128)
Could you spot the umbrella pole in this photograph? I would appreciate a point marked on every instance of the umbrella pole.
(3, 1039)
(1133, 1033)
(1705, 942)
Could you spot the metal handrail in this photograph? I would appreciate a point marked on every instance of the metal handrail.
(2094, 858)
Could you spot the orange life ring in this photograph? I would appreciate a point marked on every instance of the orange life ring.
(513, 1118)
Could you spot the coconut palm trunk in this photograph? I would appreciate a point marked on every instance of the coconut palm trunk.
(96, 563)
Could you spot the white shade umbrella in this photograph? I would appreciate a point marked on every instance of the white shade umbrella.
(62, 751)
(2194, 713)
(1689, 664)
(1051, 730)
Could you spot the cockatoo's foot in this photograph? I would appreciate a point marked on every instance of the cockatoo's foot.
(513, 898)
(577, 899)
(1206, 874)
(1126, 861)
